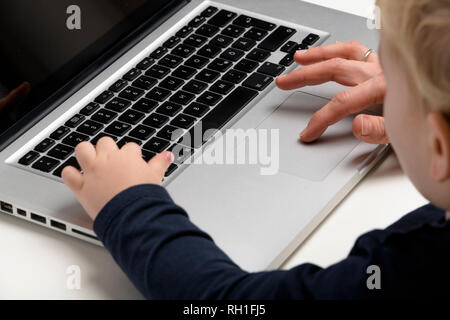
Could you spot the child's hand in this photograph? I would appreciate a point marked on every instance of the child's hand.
(107, 171)
(341, 62)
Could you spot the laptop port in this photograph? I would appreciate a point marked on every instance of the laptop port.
(38, 218)
(6, 207)
(81, 233)
(58, 225)
(21, 212)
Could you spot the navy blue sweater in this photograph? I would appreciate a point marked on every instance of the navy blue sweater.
(167, 257)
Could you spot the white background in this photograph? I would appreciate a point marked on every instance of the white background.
(34, 260)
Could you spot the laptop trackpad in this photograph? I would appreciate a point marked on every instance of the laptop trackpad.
(309, 161)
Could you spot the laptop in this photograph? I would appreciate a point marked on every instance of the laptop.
(154, 72)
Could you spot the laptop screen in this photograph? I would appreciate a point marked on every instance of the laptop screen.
(44, 44)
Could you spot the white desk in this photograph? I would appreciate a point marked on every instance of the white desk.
(34, 260)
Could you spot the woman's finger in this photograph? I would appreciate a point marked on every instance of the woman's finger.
(85, 154)
(370, 129)
(348, 102)
(345, 72)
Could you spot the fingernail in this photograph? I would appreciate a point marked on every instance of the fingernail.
(170, 157)
(366, 126)
(281, 77)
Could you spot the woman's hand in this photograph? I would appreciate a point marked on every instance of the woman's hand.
(107, 171)
(341, 62)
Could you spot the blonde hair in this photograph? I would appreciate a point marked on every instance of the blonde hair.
(418, 32)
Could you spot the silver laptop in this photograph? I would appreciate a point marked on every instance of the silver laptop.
(155, 72)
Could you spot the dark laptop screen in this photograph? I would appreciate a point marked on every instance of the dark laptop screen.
(45, 43)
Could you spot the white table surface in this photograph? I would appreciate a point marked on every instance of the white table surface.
(34, 260)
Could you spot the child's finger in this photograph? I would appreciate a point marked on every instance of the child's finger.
(85, 154)
(106, 145)
(73, 179)
(161, 162)
(370, 129)
(132, 148)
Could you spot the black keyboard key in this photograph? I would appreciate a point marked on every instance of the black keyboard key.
(207, 30)
(29, 158)
(90, 108)
(172, 42)
(158, 53)
(90, 127)
(171, 83)
(222, 87)
(104, 116)
(233, 31)
(183, 51)
(277, 38)
(61, 152)
(157, 145)
(220, 65)
(181, 153)
(147, 155)
(60, 133)
(271, 69)
(156, 120)
(232, 54)
(256, 34)
(45, 145)
(183, 121)
(209, 98)
(158, 94)
(144, 82)
(219, 116)
(195, 40)
(244, 44)
(234, 76)
(222, 18)
(221, 41)
(246, 65)
(142, 132)
(184, 32)
(131, 117)
(118, 128)
(157, 71)
(184, 72)
(74, 139)
(104, 97)
(258, 81)
(169, 109)
(207, 76)
(145, 64)
(171, 170)
(132, 74)
(182, 97)
(209, 12)
(72, 162)
(118, 85)
(145, 105)
(196, 109)
(247, 22)
(171, 61)
(126, 140)
(287, 60)
(170, 133)
(209, 51)
(197, 21)
(131, 93)
(75, 121)
(197, 62)
(258, 55)
(195, 86)
(311, 39)
(118, 104)
(289, 47)
(102, 135)
(46, 164)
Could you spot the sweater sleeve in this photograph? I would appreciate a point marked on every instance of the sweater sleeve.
(167, 257)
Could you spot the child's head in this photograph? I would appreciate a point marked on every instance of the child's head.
(415, 52)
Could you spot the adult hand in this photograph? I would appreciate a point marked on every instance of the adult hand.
(341, 63)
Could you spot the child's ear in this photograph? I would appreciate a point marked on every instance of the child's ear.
(439, 146)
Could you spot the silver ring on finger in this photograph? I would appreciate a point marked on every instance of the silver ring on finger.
(367, 54)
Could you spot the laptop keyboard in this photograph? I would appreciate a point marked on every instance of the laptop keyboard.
(199, 79)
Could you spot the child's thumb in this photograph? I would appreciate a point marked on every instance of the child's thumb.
(161, 162)
(370, 129)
